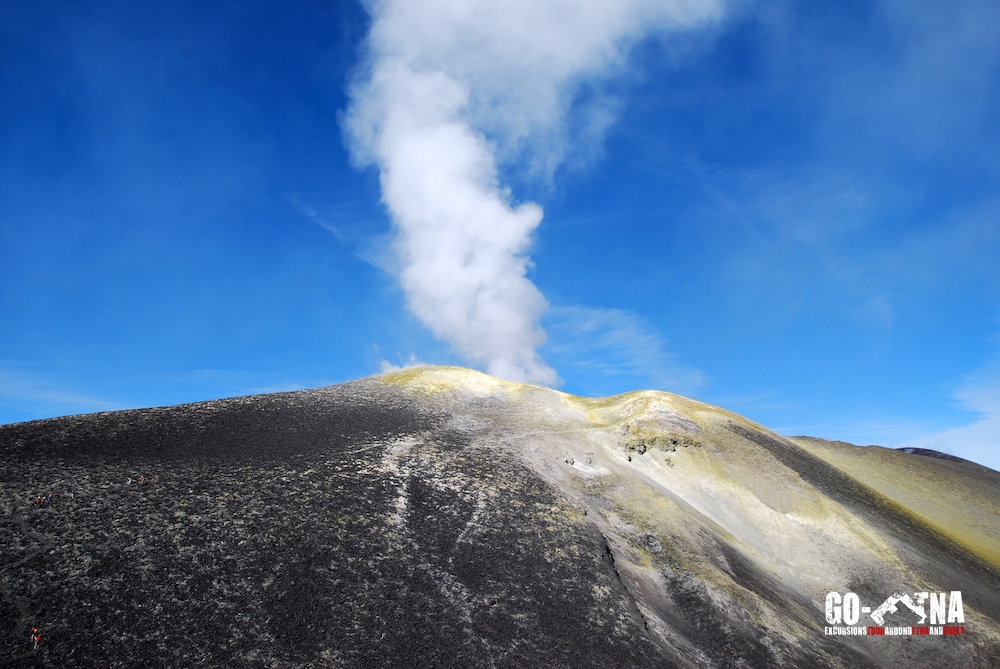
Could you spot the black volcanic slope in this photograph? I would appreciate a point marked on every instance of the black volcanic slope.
(261, 540)
(414, 521)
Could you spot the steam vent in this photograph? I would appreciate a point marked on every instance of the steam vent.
(439, 517)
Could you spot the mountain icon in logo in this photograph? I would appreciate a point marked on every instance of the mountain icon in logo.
(889, 606)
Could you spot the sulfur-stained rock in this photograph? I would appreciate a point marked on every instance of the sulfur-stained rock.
(439, 517)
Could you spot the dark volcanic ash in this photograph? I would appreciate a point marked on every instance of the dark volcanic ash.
(439, 517)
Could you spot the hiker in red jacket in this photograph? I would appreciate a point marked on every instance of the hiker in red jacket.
(36, 637)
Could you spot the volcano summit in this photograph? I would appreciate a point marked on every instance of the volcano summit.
(439, 517)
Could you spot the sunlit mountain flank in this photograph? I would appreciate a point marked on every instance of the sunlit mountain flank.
(441, 517)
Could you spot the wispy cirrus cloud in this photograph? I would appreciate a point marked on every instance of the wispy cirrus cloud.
(351, 225)
(606, 351)
(978, 441)
(33, 393)
(227, 382)
(346, 221)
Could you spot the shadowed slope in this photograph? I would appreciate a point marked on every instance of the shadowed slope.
(441, 517)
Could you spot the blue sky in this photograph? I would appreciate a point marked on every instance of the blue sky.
(789, 209)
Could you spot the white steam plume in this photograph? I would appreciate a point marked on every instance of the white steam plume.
(453, 88)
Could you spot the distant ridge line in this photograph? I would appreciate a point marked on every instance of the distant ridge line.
(930, 453)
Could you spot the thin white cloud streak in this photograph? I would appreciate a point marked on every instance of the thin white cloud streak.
(326, 220)
(978, 441)
(886, 430)
(233, 383)
(351, 230)
(610, 344)
(450, 91)
(35, 393)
